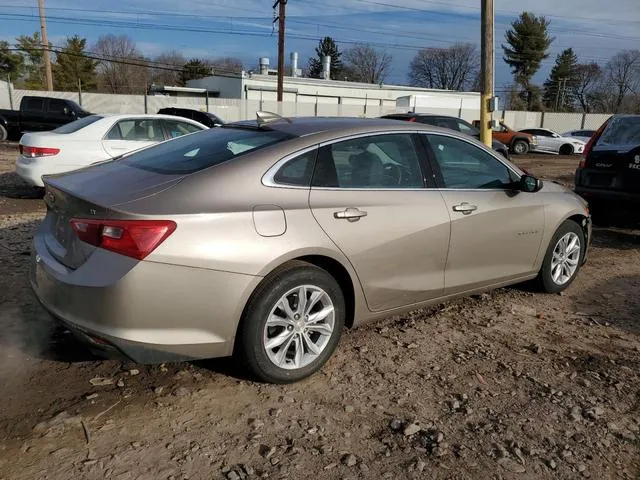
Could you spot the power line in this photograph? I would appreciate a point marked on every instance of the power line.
(193, 29)
(373, 2)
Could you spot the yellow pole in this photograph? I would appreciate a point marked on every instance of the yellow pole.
(486, 70)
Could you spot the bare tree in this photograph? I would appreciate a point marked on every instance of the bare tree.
(587, 78)
(366, 64)
(622, 76)
(452, 68)
(167, 68)
(122, 67)
(224, 65)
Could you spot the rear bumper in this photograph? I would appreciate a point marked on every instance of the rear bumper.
(609, 196)
(152, 313)
(30, 171)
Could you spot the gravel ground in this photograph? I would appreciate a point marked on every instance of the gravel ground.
(508, 384)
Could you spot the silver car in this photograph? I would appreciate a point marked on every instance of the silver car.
(266, 238)
(552, 142)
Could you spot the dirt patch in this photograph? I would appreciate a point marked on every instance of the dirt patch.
(509, 384)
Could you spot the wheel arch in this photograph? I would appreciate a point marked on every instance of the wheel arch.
(517, 138)
(339, 268)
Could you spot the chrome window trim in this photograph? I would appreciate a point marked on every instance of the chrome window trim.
(268, 177)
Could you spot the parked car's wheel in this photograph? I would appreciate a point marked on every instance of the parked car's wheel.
(563, 259)
(292, 323)
(566, 149)
(520, 147)
(3, 133)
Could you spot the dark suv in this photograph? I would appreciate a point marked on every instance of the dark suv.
(452, 123)
(205, 118)
(609, 173)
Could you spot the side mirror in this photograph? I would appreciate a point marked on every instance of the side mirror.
(530, 184)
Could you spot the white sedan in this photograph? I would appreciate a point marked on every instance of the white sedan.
(93, 139)
(552, 142)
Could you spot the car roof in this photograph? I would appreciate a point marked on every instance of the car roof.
(423, 115)
(124, 116)
(305, 126)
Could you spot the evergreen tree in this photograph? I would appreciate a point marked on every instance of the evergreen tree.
(527, 45)
(560, 86)
(11, 62)
(34, 77)
(195, 69)
(72, 66)
(326, 46)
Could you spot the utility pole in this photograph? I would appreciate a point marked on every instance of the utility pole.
(562, 81)
(486, 70)
(46, 57)
(280, 18)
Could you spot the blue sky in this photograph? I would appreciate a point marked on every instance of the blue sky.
(242, 28)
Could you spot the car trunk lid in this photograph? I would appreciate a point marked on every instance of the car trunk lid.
(112, 183)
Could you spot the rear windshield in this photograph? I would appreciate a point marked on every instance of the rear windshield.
(621, 131)
(77, 124)
(198, 151)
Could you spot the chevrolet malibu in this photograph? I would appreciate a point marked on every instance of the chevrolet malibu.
(264, 239)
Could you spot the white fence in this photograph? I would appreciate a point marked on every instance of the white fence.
(230, 109)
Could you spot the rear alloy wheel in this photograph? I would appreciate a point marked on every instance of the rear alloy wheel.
(520, 147)
(566, 149)
(563, 259)
(3, 133)
(292, 324)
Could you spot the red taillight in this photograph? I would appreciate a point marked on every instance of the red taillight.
(412, 119)
(132, 238)
(33, 152)
(594, 138)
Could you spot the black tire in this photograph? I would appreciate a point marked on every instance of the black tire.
(250, 346)
(545, 279)
(566, 149)
(3, 133)
(520, 147)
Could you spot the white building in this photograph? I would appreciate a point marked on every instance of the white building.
(263, 88)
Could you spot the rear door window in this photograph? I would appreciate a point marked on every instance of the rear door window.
(192, 153)
(374, 162)
(176, 128)
(138, 130)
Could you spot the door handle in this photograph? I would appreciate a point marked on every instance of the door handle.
(350, 214)
(465, 208)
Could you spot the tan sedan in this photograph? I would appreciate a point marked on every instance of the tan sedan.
(266, 238)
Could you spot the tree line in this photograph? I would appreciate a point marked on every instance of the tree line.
(114, 64)
(572, 85)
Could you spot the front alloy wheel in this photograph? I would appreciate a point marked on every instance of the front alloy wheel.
(563, 258)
